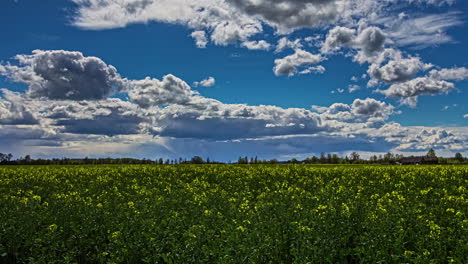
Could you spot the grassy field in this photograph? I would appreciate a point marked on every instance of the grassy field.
(234, 214)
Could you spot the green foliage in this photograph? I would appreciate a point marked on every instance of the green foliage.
(234, 214)
(431, 153)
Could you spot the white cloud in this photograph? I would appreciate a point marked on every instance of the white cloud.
(397, 70)
(416, 87)
(353, 88)
(372, 107)
(437, 138)
(371, 40)
(289, 64)
(200, 38)
(209, 82)
(60, 74)
(453, 74)
(152, 92)
(225, 22)
(337, 38)
(230, 21)
(465, 116)
(313, 69)
(170, 110)
(284, 43)
(13, 112)
(422, 31)
(256, 45)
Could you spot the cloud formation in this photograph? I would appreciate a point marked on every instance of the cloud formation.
(209, 82)
(60, 74)
(418, 86)
(256, 45)
(397, 70)
(153, 92)
(172, 112)
(453, 74)
(200, 38)
(230, 21)
(289, 65)
(13, 112)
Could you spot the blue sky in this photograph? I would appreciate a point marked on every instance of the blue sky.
(153, 39)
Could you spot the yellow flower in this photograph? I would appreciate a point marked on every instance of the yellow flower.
(52, 227)
(115, 234)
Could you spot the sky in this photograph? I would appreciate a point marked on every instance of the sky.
(222, 79)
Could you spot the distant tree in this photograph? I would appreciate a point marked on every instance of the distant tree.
(167, 162)
(459, 157)
(388, 157)
(431, 154)
(442, 160)
(27, 158)
(242, 160)
(208, 160)
(355, 157)
(314, 160)
(335, 159)
(161, 161)
(197, 160)
(294, 161)
(323, 158)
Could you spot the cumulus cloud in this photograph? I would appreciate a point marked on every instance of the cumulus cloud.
(60, 74)
(107, 117)
(465, 116)
(256, 45)
(200, 38)
(210, 119)
(397, 70)
(289, 15)
(362, 112)
(371, 107)
(209, 82)
(368, 41)
(225, 22)
(371, 40)
(284, 43)
(337, 38)
(313, 69)
(419, 86)
(289, 64)
(436, 138)
(453, 74)
(353, 88)
(153, 92)
(13, 112)
(230, 21)
(436, 82)
(170, 110)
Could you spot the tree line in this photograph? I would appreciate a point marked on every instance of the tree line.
(324, 158)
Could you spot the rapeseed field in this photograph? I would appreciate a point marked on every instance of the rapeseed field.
(234, 214)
